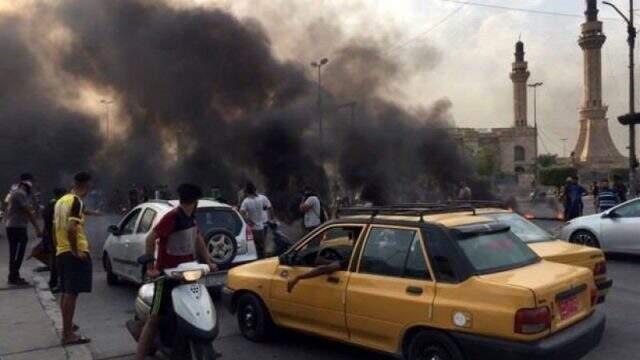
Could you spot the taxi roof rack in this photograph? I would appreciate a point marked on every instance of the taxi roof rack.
(478, 204)
(406, 210)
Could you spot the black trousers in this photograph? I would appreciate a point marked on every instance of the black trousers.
(258, 239)
(18, 239)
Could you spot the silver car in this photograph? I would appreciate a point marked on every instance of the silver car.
(615, 230)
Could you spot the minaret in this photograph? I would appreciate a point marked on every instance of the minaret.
(519, 76)
(594, 149)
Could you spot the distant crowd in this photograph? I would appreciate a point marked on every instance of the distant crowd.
(605, 195)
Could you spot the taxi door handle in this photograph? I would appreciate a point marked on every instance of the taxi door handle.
(414, 290)
(333, 279)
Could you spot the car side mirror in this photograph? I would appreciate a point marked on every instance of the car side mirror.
(609, 214)
(113, 230)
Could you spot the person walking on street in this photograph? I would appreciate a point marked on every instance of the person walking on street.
(595, 188)
(465, 192)
(620, 188)
(72, 254)
(573, 193)
(312, 210)
(607, 198)
(175, 240)
(20, 213)
(49, 238)
(253, 210)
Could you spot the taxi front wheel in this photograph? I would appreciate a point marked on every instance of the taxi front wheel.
(432, 345)
(253, 318)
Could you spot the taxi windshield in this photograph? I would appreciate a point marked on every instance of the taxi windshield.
(523, 228)
(490, 252)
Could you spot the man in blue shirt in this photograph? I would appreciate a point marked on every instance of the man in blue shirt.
(573, 193)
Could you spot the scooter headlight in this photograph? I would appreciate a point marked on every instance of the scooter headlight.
(192, 275)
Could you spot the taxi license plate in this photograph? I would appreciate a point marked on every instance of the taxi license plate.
(569, 307)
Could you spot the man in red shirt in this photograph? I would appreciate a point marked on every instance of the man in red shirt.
(178, 240)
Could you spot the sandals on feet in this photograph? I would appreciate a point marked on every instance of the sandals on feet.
(77, 341)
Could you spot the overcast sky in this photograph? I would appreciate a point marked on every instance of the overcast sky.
(473, 49)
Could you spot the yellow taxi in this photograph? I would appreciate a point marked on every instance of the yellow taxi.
(550, 248)
(441, 282)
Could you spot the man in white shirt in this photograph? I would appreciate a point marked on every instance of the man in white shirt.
(312, 210)
(256, 210)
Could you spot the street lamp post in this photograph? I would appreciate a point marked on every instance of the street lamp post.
(631, 41)
(106, 104)
(318, 64)
(535, 124)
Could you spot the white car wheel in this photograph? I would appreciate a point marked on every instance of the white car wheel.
(584, 237)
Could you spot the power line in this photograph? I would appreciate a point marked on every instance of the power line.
(427, 31)
(531, 11)
(544, 144)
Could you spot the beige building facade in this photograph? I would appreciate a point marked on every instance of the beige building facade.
(513, 148)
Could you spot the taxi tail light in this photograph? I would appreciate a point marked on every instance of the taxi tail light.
(532, 321)
(594, 296)
(249, 233)
(600, 268)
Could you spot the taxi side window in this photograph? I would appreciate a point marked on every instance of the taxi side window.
(440, 255)
(336, 243)
(394, 252)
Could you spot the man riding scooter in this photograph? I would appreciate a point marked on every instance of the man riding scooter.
(177, 240)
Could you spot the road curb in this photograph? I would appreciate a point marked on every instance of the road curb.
(52, 309)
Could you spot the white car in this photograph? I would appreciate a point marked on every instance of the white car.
(228, 238)
(615, 230)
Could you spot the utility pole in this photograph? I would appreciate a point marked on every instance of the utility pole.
(631, 41)
(318, 64)
(106, 104)
(535, 125)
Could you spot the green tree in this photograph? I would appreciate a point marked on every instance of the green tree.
(547, 160)
(486, 162)
(556, 176)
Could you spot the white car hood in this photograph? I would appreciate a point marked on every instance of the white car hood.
(589, 219)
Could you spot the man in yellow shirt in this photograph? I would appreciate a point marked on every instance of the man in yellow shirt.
(72, 254)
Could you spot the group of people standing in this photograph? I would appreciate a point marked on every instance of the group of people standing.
(605, 196)
(257, 210)
(63, 237)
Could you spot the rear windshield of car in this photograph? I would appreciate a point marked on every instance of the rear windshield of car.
(218, 218)
(494, 251)
(523, 228)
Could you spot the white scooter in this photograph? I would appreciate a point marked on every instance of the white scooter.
(189, 330)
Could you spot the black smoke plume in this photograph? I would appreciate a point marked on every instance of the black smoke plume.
(201, 97)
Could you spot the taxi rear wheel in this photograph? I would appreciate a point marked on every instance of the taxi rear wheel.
(431, 345)
(253, 318)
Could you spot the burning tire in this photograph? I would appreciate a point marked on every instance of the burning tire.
(222, 247)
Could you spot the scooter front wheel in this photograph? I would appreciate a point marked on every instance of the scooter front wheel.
(202, 350)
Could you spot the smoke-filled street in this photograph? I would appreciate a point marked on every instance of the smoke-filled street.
(461, 175)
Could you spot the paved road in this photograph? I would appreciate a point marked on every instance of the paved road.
(103, 313)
